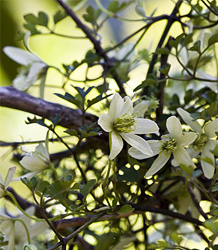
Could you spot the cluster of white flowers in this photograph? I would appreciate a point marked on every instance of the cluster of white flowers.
(122, 122)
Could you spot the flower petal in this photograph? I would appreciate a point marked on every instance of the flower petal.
(20, 82)
(188, 119)
(187, 138)
(207, 159)
(140, 109)
(116, 144)
(105, 122)
(181, 156)
(137, 142)
(35, 70)
(146, 126)
(161, 160)
(33, 162)
(174, 127)
(210, 128)
(155, 146)
(9, 176)
(1, 181)
(135, 153)
(116, 106)
(127, 107)
(20, 56)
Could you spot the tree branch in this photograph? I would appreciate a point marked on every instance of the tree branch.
(69, 118)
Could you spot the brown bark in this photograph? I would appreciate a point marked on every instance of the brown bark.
(69, 118)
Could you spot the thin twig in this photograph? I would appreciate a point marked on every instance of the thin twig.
(171, 20)
(96, 43)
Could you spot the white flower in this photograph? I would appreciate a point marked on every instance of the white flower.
(34, 67)
(172, 143)
(15, 232)
(121, 123)
(204, 143)
(38, 160)
(143, 106)
(5, 183)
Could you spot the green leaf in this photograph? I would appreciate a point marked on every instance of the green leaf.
(55, 188)
(91, 56)
(89, 131)
(212, 226)
(67, 181)
(215, 187)
(55, 120)
(82, 92)
(36, 120)
(175, 43)
(115, 6)
(149, 81)
(72, 132)
(165, 69)
(34, 182)
(32, 28)
(92, 15)
(176, 238)
(59, 16)
(96, 100)
(87, 188)
(196, 47)
(27, 182)
(213, 39)
(188, 39)
(187, 169)
(215, 151)
(105, 241)
(163, 51)
(125, 209)
(68, 97)
(163, 243)
(215, 247)
(43, 187)
(42, 19)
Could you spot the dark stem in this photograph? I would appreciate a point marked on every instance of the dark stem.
(96, 43)
(195, 201)
(163, 61)
(171, 20)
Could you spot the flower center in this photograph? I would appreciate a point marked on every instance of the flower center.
(200, 141)
(124, 124)
(169, 145)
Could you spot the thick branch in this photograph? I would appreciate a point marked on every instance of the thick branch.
(69, 118)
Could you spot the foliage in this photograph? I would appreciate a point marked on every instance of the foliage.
(86, 197)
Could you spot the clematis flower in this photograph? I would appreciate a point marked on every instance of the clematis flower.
(38, 160)
(204, 143)
(122, 124)
(5, 183)
(172, 143)
(34, 68)
(14, 231)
